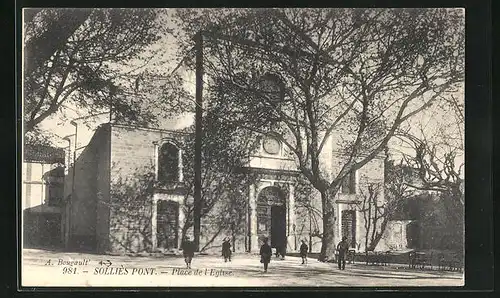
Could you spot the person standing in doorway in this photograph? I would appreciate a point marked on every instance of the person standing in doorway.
(283, 248)
(342, 248)
(303, 251)
(188, 251)
(265, 254)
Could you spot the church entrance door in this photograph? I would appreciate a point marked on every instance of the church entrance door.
(278, 226)
(271, 216)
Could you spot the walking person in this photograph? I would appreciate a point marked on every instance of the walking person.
(303, 252)
(342, 248)
(226, 249)
(188, 251)
(265, 254)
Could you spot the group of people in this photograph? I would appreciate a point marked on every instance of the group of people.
(188, 249)
(266, 252)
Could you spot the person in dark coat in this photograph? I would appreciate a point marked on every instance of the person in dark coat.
(265, 254)
(342, 248)
(303, 251)
(226, 249)
(283, 249)
(188, 252)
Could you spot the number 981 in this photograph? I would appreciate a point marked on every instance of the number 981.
(69, 270)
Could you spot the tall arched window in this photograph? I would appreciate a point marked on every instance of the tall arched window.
(168, 163)
(349, 183)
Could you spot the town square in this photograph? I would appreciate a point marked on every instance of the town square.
(243, 147)
(243, 271)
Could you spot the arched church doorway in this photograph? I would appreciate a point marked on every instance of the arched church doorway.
(271, 215)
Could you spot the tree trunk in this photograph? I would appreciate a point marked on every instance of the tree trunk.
(378, 236)
(328, 240)
(185, 227)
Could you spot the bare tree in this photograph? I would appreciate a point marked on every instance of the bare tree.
(354, 73)
(439, 168)
(373, 211)
(437, 157)
(377, 211)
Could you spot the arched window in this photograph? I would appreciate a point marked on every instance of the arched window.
(349, 183)
(168, 163)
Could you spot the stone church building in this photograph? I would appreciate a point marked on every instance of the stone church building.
(125, 192)
(106, 212)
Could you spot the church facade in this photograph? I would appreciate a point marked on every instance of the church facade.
(115, 200)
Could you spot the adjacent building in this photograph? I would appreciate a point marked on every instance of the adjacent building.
(43, 185)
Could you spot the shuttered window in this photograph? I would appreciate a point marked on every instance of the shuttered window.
(349, 226)
(167, 223)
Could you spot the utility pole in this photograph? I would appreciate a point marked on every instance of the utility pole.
(198, 140)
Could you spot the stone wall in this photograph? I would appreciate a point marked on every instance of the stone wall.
(371, 173)
(83, 215)
(225, 219)
(132, 179)
(131, 161)
(103, 189)
(309, 219)
(395, 236)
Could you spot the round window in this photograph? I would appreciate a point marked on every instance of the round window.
(271, 145)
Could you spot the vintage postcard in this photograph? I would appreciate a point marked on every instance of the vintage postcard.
(281, 147)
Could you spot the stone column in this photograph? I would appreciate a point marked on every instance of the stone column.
(155, 158)
(291, 223)
(404, 242)
(358, 227)
(338, 224)
(254, 241)
(43, 185)
(180, 225)
(153, 223)
(181, 174)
